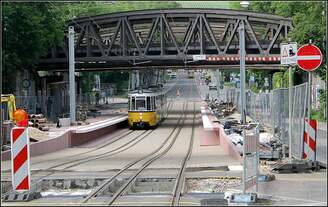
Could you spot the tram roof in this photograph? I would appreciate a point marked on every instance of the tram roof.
(140, 93)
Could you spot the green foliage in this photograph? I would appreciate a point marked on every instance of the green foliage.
(205, 4)
(78, 9)
(317, 115)
(323, 104)
(285, 79)
(309, 22)
(235, 5)
(254, 89)
(281, 79)
(277, 80)
(29, 29)
(259, 75)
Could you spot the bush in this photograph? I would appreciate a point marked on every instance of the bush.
(323, 104)
(277, 80)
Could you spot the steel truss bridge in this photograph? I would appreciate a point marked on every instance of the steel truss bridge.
(169, 38)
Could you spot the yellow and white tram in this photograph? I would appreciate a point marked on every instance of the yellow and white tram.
(146, 108)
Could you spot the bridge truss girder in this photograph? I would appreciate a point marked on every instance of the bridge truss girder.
(171, 37)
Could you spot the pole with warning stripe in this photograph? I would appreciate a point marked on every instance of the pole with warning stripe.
(20, 161)
(309, 58)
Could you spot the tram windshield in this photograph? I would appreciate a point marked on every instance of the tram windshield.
(140, 104)
(143, 103)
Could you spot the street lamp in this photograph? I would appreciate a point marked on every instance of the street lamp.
(244, 4)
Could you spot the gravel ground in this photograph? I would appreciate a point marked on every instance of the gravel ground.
(211, 185)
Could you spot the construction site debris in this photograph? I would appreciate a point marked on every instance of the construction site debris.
(38, 121)
(63, 122)
(221, 109)
(265, 137)
(211, 185)
(236, 138)
(269, 147)
(36, 134)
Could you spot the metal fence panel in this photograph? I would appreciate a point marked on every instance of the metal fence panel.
(280, 113)
(272, 109)
(298, 115)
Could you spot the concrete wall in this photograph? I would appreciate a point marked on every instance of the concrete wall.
(228, 146)
(69, 139)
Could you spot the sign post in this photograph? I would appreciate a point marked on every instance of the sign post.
(20, 167)
(309, 58)
(20, 157)
(289, 57)
(72, 107)
(250, 168)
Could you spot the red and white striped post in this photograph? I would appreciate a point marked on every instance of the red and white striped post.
(309, 140)
(20, 159)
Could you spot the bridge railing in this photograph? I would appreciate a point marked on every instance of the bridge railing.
(271, 110)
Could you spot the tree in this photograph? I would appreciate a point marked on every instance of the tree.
(29, 29)
(309, 21)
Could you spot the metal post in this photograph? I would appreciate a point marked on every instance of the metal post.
(218, 83)
(309, 103)
(138, 78)
(244, 162)
(310, 96)
(71, 74)
(242, 71)
(257, 131)
(290, 103)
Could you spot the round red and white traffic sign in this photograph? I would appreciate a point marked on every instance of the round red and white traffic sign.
(309, 57)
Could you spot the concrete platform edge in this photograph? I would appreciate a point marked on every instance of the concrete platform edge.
(228, 146)
(70, 138)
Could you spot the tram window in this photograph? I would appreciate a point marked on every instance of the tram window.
(140, 104)
(148, 103)
(158, 103)
(154, 103)
(133, 104)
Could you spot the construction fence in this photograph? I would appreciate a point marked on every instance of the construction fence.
(272, 110)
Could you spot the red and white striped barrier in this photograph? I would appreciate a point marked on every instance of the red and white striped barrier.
(310, 136)
(248, 58)
(20, 159)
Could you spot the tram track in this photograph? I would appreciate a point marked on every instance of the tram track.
(150, 158)
(115, 139)
(125, 146)
(177, 190)
(121, 148)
